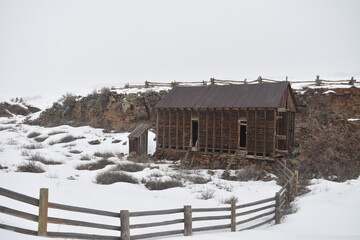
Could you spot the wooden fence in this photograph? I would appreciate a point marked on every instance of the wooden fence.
(317, 82)
(264, 211)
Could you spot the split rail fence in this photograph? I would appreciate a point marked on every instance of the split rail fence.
(317, 82)
(236, 217)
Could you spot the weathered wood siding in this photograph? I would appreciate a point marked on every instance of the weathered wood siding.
(219, 129)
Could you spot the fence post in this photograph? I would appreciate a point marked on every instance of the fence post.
(296, 182)
(318, 81)
(288, 194)
(187, 221)
(43, 211)
(277, 208)
(125, 225)
(233, 216)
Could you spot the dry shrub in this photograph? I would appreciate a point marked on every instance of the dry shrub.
(40, 139)
(65, 139)
(207, 194)
(95, 165)
(157, 184)
(33, 146)
(33, 134)
(129, 167)
(74, 151)
(68, 100)
(113, 177)
(230, 200)
(105, 155)
(55, 133)
(85, 157)
(328, 142)
(198, 179)
(249, 173)
(31, 167)
(37, 157)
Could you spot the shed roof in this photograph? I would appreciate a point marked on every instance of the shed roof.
(140, 129)
(265, 95)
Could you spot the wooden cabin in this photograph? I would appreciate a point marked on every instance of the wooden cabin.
(138, 140)
(255, 119)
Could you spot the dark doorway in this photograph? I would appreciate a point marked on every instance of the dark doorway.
(242, 134)
(194, 127)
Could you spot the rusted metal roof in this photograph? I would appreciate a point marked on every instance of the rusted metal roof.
(265, 95)
(140, 129)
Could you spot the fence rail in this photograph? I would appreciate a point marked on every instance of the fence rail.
(264, 210)
(316, 82)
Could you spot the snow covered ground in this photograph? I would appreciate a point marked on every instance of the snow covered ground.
(330, 211)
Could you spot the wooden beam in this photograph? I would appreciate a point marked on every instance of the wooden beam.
(221, 130)
(157, 128)
(247, 135)
(177, 130)
(265, 122)
(214, 124)
(169, 133)
(198, 115)
(255, 133)
(207, 130)
(183, 132)
(163, 129)
(274, 134)
(238, 129)
(229, 145)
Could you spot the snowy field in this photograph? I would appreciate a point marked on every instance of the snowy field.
(330, 211)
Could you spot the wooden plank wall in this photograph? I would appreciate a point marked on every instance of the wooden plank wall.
(260, 131)
(218, 129)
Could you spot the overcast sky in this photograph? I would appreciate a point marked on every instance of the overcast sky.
(50, 45)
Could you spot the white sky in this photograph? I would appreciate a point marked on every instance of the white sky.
(50, 45)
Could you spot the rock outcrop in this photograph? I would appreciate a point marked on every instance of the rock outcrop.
(106, 109)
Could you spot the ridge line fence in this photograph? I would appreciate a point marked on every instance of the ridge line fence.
(317, 82)
(264, 211)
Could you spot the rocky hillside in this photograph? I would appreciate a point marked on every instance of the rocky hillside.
(104, 109)
(328, 134)
(327, 142)
(16, 108)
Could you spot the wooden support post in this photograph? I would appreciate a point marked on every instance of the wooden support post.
(288, 194)
(43, 212)
(296, 182)
(255, 152)
(170, 125)
(275, 132)
(207, 130)
(198, 145)
(157, 128)
(187, 221)
(229, 144)
(177, 130)
(183, 132)
(221, 130)
(238, 129)
(265, 129)
(233, 216)
(214, 134)
(163, 128)
(125, 225)
(277, 208)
